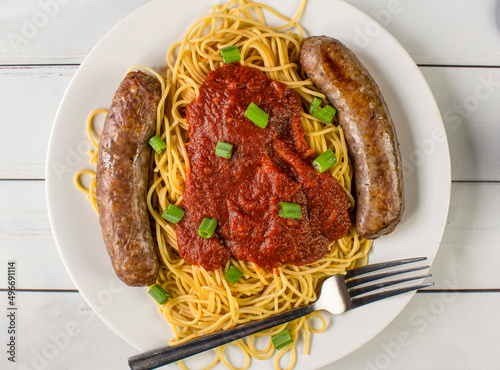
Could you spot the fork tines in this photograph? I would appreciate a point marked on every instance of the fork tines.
(352, 282)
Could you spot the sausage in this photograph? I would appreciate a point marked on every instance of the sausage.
(123, 163)
(369, 131)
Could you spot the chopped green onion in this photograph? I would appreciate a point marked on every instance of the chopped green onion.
(325, 161)
(230, 54)
(173, 213)
(257, 115)
(207, 227)
(325, 114)
(233, 274)
(223, 149)
(158, 144)
(289, 210)
(281, 340)
(160, 295)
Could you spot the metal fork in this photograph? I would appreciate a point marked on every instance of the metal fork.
(339, 294)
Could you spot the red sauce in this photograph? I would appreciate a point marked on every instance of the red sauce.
(267, 166)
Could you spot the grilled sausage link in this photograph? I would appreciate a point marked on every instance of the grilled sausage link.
(122, 178)
(368, 128)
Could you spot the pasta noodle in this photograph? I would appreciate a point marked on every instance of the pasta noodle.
(203, 301)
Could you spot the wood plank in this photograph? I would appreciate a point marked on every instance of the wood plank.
(471, 122)
(29, 97)
(36, 34)
(469, 101)
(440, 32)
(50, 31)
(467, 258)
(60, 331)
(26, 237)
(434, 332)
(430, 333)
(470, 249)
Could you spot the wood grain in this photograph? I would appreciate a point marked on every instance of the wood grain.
(441, 32)
(469, 101)
(60, 331)
(471, 234)
(470, 249)
(26, 237)
(34, 32)
(471, 122)
(43, 42)
(434, 332)
(30, 37)
(29, 97)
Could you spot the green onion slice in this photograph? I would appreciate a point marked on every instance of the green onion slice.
(281, 340)
(257, 115)
(207, 227)
(233, 274)
(230, 54)
(158, 144)
(173, 213)
(223, 149)
(160, 295)
(325, 161)
(325, 114)
(289, 210)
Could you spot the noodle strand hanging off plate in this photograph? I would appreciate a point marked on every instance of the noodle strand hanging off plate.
(204, 301)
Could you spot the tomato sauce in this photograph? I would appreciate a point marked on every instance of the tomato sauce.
(267, 166)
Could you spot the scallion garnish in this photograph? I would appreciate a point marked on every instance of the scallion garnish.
(257, 115)
(173, 213)
(325, 114)
(158, 144)
(159, 294)
(233, 274)
(325, 161)
(230, 54)
(207, 227)
(281, 340)
(289, 210)
(223, 149)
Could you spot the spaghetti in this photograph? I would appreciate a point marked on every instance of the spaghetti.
(204, 301)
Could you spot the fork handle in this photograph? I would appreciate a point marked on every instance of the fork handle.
(165, 355)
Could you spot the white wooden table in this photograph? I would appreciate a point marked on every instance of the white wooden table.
(455, 325)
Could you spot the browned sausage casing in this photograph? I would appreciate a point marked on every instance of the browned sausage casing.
(369, 131)
(122, 179)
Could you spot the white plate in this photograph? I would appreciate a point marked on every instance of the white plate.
(143, 38)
